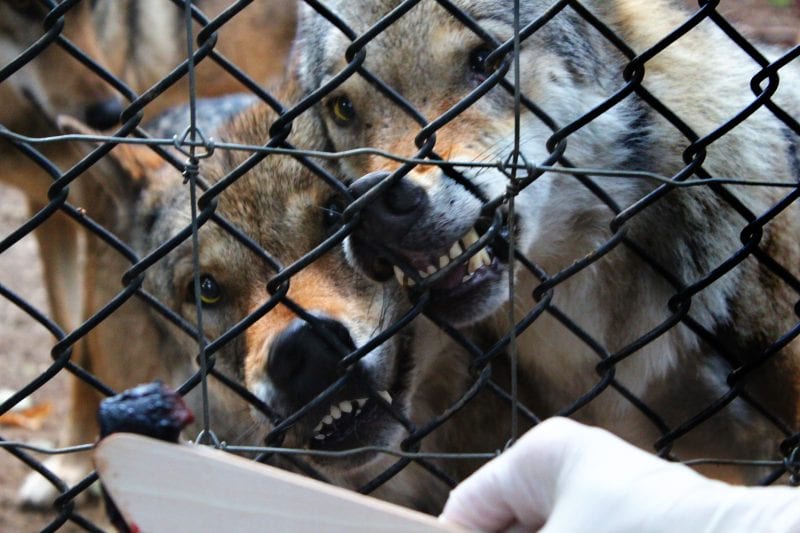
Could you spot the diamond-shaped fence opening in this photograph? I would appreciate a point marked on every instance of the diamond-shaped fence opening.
(378, 257)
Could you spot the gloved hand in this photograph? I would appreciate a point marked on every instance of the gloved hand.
(563, 476)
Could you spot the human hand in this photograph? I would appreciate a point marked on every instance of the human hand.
(564, 476)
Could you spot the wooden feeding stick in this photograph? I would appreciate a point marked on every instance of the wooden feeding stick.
(159, 486)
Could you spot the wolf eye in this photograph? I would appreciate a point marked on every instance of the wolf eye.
(478, 64)
(332, 212)
(210, 291)
(342, 110)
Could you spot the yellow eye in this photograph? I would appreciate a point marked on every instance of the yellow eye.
(210, 291)
(342, 110)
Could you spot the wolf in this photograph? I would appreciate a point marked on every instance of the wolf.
(288, 361)
(54, 82)
(671, 294)
(139, 43)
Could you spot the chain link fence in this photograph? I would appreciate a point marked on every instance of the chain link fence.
(311, 321)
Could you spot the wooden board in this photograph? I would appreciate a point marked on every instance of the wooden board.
(169, 487)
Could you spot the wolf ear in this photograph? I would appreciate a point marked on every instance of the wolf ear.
(122, 173)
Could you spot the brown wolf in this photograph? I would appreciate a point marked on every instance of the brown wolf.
(624, 259)
(282, 359)
(139, 42)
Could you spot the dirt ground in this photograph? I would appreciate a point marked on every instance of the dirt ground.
(25, 345)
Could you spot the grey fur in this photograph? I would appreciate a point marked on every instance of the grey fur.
(568, 69)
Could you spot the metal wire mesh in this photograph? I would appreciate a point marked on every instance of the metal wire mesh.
(493, 358)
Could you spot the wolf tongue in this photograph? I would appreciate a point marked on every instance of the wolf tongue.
(453, 279)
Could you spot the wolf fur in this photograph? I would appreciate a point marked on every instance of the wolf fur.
(280, 205)
(139, 42)
(567, 68)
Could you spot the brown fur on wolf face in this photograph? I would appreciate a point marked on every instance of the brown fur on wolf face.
(281, 206)
(567, 69)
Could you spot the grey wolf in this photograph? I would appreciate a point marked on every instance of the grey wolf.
(428, 219)
(284, 360)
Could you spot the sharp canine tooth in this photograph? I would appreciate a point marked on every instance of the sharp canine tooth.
(470, 238)
(318, 428)
(465, 278)
(422, 274)
(361, 402)
(444, 261)
(408, 281)
(399, 274)
(455, 250)
(431, 269)
(485, 257)
(335, 412)
(474, 264)
(386, 396)
(327, 419)
(346, 407)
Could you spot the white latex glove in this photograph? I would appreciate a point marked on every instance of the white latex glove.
(563, 476)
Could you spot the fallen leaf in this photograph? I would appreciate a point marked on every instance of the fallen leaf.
(31, 418)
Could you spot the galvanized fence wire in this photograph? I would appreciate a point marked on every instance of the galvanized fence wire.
(191, 144)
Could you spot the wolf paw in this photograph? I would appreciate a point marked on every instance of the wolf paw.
(37, 492)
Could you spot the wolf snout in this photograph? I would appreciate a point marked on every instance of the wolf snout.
(395, 210)
(302, 362)
(103, 114)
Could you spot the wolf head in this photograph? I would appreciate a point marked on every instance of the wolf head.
(303, 345)
(456, 102)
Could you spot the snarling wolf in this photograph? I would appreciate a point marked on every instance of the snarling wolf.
(271, 219)
(673, 287)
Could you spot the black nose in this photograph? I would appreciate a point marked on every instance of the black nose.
(302, 362)
(103, 115)
(392, 214)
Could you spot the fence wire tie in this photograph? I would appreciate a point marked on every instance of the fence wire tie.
(792, 466)
(513, 188)
(179, 142)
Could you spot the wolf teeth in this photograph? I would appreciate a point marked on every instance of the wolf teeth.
(470, 238)
(347, 407)
(486, 259)
(404, 280)
(479, 259)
